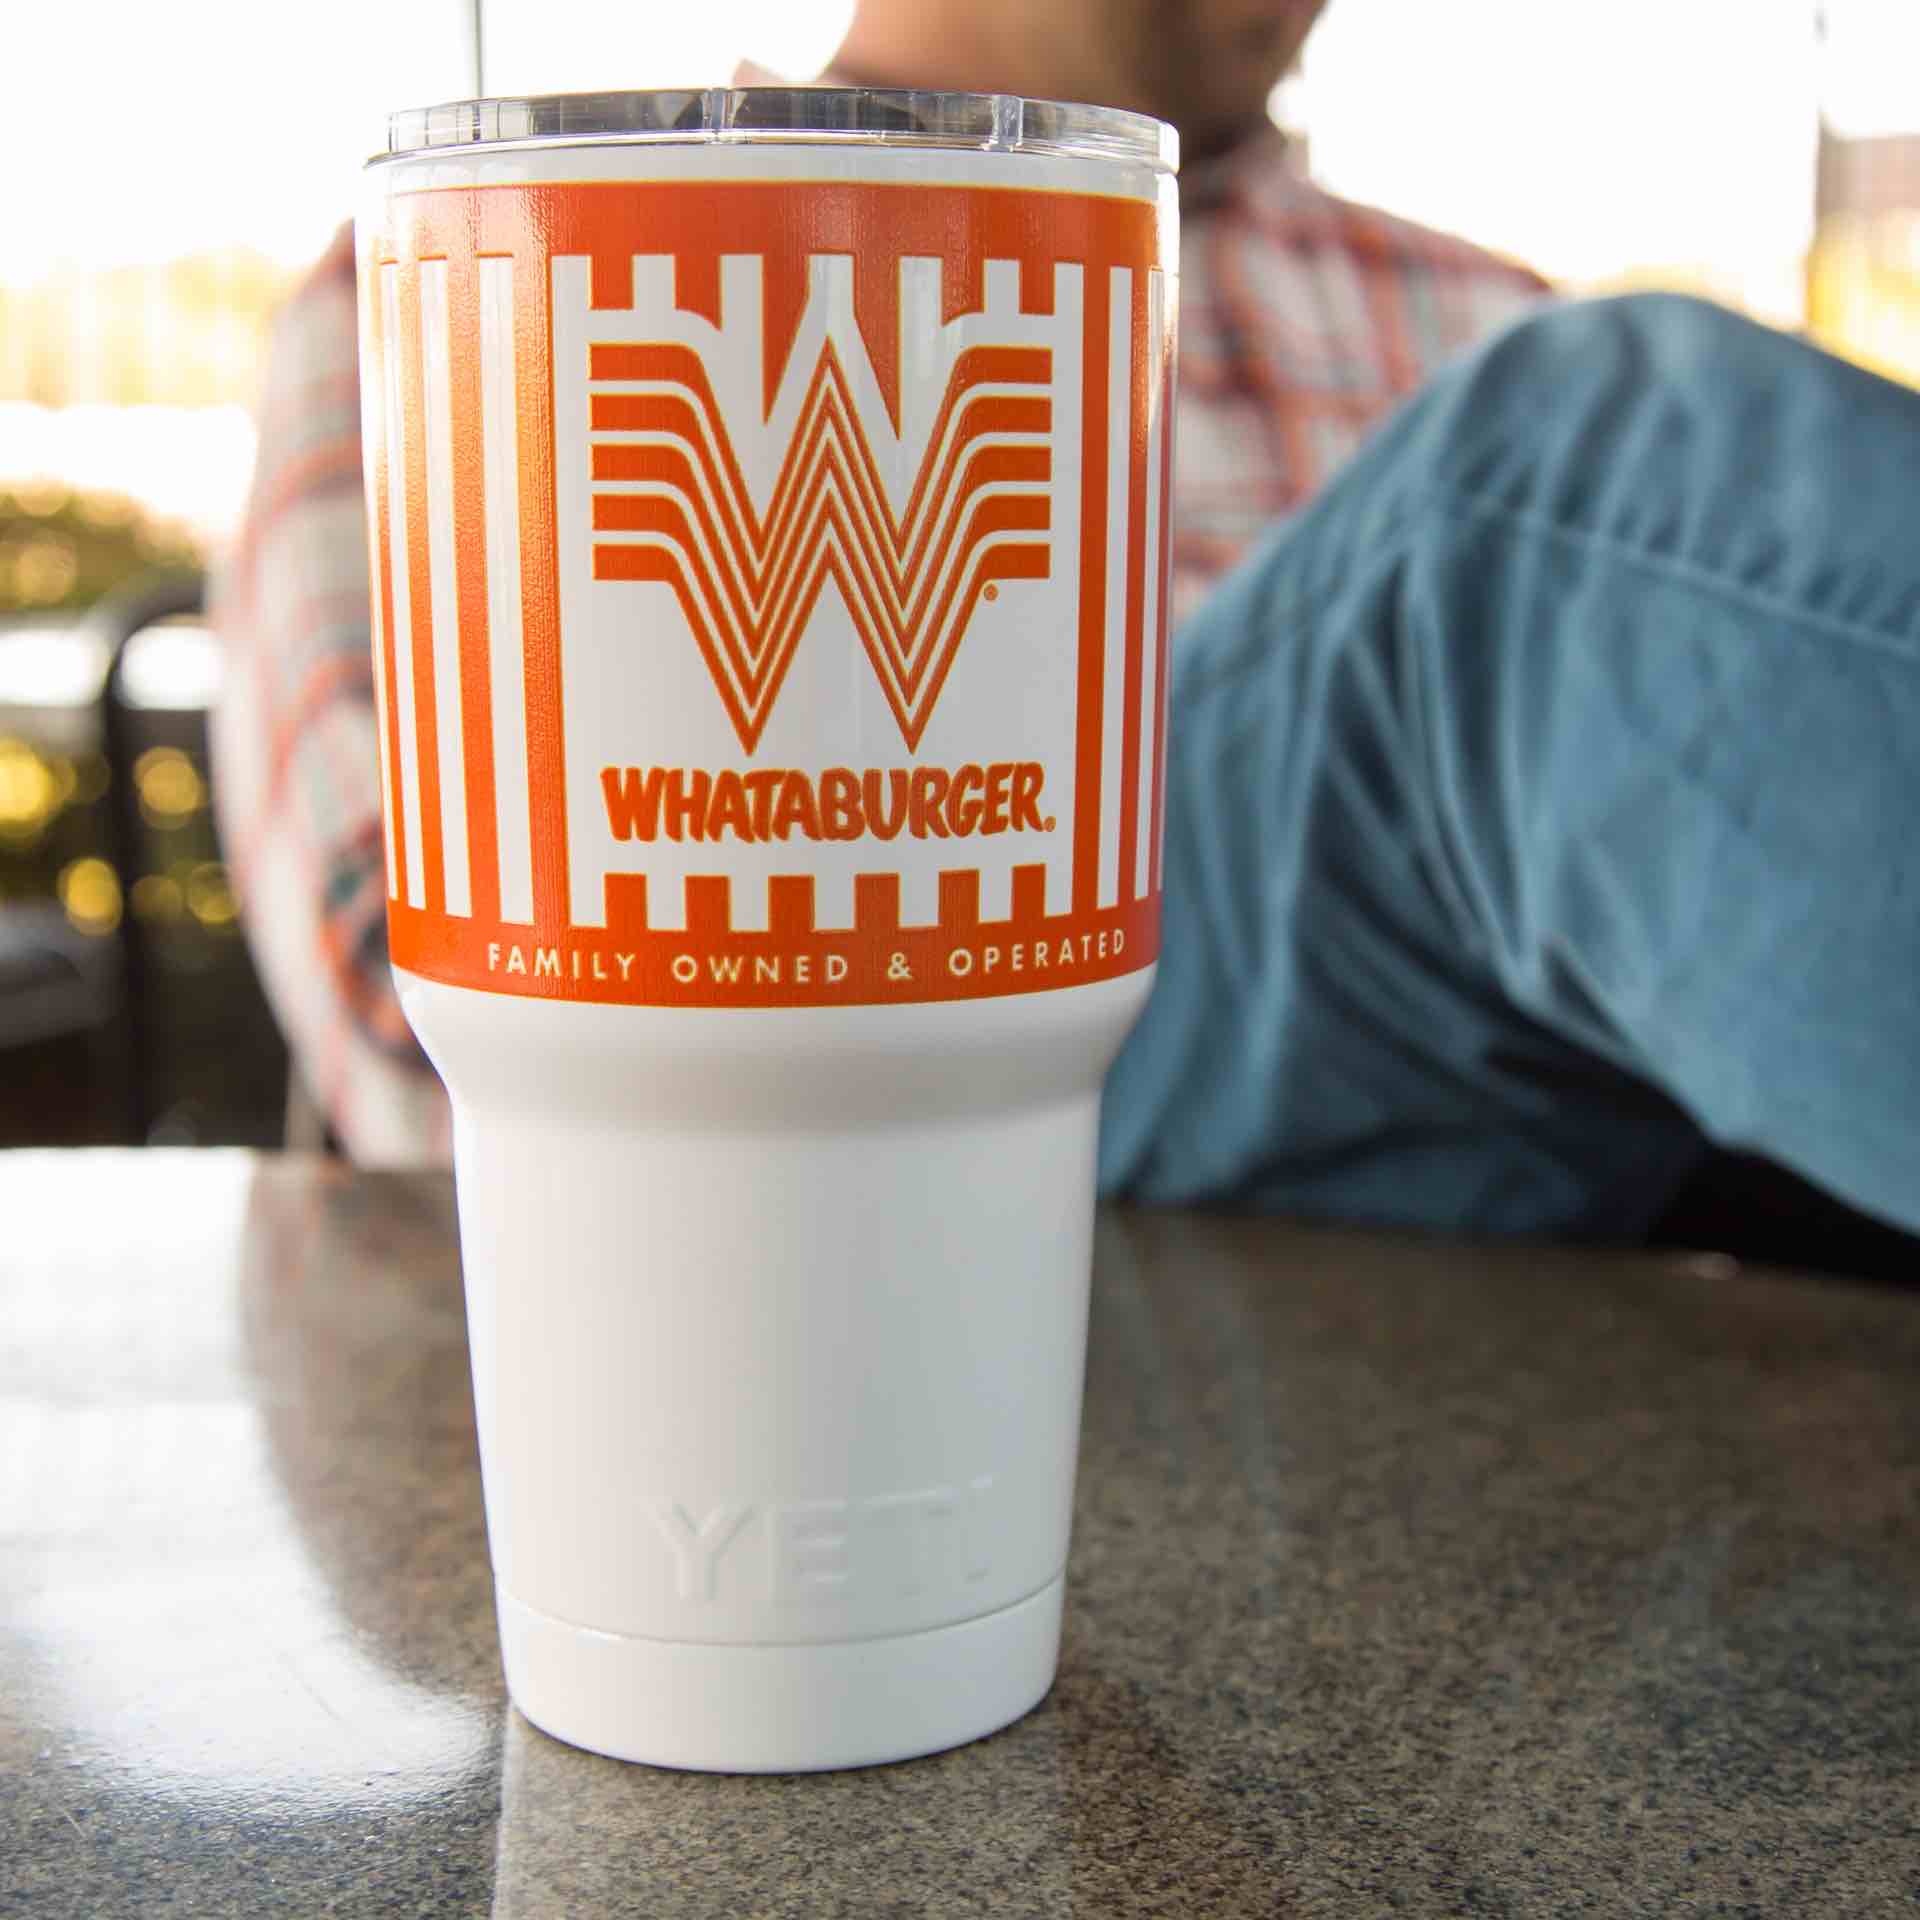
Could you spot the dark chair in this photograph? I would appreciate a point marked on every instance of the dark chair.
(54, 983)
(202, 1058)
(119, 620)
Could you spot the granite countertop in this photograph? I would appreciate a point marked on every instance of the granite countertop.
(1406, 1578)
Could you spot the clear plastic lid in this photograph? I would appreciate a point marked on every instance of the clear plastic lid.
(977, 122)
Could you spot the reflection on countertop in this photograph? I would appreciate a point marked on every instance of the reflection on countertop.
(1406, 1577)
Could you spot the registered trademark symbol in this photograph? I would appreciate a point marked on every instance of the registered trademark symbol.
(993, 592)
(1046, 825)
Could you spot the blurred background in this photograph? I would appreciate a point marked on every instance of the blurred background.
(181, 165)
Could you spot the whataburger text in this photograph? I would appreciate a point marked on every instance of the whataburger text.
(783, 803)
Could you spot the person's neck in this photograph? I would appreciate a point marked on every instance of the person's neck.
(1221, 143)
(943, 50)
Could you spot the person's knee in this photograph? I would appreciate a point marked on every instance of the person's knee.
(1662, 337)
(1654, 334)
(1669, 318)
(1560, 399)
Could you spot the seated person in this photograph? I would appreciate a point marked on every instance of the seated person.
(1537, 816)
(1303, 321)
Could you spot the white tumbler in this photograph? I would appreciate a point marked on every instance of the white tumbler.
(768, 498)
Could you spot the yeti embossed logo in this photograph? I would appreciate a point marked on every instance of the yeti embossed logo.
(930, 1540)
(769, 587)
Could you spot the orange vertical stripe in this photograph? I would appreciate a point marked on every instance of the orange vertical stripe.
(374, 393)
(1164, 561)
(1094, 588)
(540, 585)
(790, 904)
(1029, 903)
(709, 905)
(1130, 734)
(413, 445)
(626, 898)
(876, 902)
(960, 900)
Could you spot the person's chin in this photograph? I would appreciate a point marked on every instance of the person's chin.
(1207, 136)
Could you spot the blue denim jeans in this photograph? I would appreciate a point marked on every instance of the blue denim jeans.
(1545, 802)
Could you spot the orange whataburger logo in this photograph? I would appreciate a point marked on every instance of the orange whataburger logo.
(748, 582)
(914, 519)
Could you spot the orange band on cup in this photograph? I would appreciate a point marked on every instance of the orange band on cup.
(769, 588)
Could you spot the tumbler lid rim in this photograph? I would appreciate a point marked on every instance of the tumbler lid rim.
(885, 116)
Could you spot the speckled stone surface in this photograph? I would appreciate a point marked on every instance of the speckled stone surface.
(1407, 1579)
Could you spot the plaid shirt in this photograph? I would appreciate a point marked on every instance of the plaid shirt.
(1303, 320)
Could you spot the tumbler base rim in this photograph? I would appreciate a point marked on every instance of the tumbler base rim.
(714, 1707)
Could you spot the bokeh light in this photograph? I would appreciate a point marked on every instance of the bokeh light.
(29, 793)
(38, 571)
(170, 787)
(209, 893)
(158, 898)
(90, 893)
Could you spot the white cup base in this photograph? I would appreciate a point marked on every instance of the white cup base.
(719, 1708)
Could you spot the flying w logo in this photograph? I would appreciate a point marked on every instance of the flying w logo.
(673, 498)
